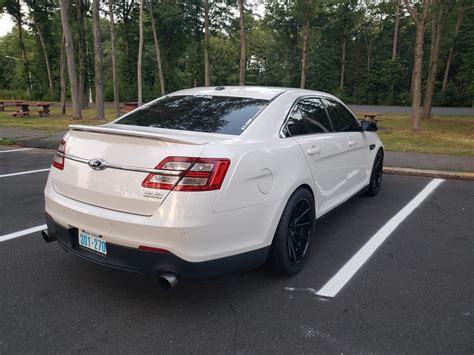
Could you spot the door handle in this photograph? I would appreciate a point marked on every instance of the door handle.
(351, 143)
(313, 150)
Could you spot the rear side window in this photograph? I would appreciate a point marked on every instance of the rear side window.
(342, 119)
(308, 116)
(210, 114)
(315, 115)
(295, 126)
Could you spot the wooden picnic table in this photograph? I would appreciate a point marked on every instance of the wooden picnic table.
(129, 106)
(22, 109)
(43, 108)
(3, 104)
(370, 115)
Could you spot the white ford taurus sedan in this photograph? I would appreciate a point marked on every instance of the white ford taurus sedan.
(209, 180)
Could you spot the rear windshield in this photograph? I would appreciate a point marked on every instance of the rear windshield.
(211, 114)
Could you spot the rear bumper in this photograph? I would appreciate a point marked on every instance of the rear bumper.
(151, 263)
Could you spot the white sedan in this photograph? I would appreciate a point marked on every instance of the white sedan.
(209, 180)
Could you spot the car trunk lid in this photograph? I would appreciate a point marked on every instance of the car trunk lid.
(129, 155)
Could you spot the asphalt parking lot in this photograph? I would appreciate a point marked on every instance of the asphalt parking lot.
(413, 294)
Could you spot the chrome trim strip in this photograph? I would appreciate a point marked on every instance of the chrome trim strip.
(122, 167)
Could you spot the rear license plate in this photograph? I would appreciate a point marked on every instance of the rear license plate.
(92, 242)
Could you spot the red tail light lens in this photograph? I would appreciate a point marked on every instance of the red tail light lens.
(188, 174)
(58, 160)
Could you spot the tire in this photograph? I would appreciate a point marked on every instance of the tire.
(376, 175)
(292, 244)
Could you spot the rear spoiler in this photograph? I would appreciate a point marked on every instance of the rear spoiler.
(136, 133)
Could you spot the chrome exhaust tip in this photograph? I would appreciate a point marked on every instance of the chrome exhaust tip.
(47, 238)
(168, 280)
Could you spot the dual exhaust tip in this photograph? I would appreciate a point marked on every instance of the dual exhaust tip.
(166, 280)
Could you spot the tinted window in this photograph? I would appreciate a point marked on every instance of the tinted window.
(342, 119)
(295, 125)
(212, 114)
(315, 115)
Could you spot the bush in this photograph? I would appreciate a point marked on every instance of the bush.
(14, 95)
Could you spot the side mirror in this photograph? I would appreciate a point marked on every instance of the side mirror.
(369, 126)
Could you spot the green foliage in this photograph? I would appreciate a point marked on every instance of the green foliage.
(274, 46)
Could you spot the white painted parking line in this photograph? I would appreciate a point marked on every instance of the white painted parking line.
(342, 277)
(15, 150)
(4, 238)
(25, 172)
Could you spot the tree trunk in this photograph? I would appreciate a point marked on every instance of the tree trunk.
(21, 44)
(62, 78)
(207, 81)
(343, 64)
(242, 44)
(157, 49)
(436, 32)
(71, 65)
(126, 7)
(417, 68)
(304, 54)
(369, 59)
(81, 54)
(99, 77)
(46, 59)
(395, 32)
(420, 21)
(140, 55)
(462, 10)
(115, 78)
(197, 45)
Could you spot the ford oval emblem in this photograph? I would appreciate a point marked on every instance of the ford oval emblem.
(97, 164)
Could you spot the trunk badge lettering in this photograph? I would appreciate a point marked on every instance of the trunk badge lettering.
(97, 164)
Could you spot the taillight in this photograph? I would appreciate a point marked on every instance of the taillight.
(188, 174)
(58, 160)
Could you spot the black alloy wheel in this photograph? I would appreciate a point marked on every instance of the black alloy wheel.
(299, 231)
(376, 176)
(292, 242)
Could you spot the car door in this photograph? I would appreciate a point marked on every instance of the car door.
(310, 126)
(356, 145)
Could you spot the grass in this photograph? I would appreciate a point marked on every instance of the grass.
(452, 135)
(55, 122)
(7, 141)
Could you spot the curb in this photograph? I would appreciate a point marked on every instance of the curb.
(454, 175)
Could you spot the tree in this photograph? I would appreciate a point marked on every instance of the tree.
(34, 15)
(420, 20)
(395, 31)
(441, 11)
(157, 48)
(140, 56)
(62, 77)
(345, 14)
(113, 40)
(461, 13)
(13, 7)
(71, 64)
(242, 44)
(304, 51)
(82, 46)
(99, 79)
(206, 43)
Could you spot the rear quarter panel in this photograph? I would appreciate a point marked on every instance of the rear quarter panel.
(260, 172)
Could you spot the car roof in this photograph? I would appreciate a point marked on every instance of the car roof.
(255, 92)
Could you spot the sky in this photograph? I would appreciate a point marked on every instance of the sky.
(6, 24)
